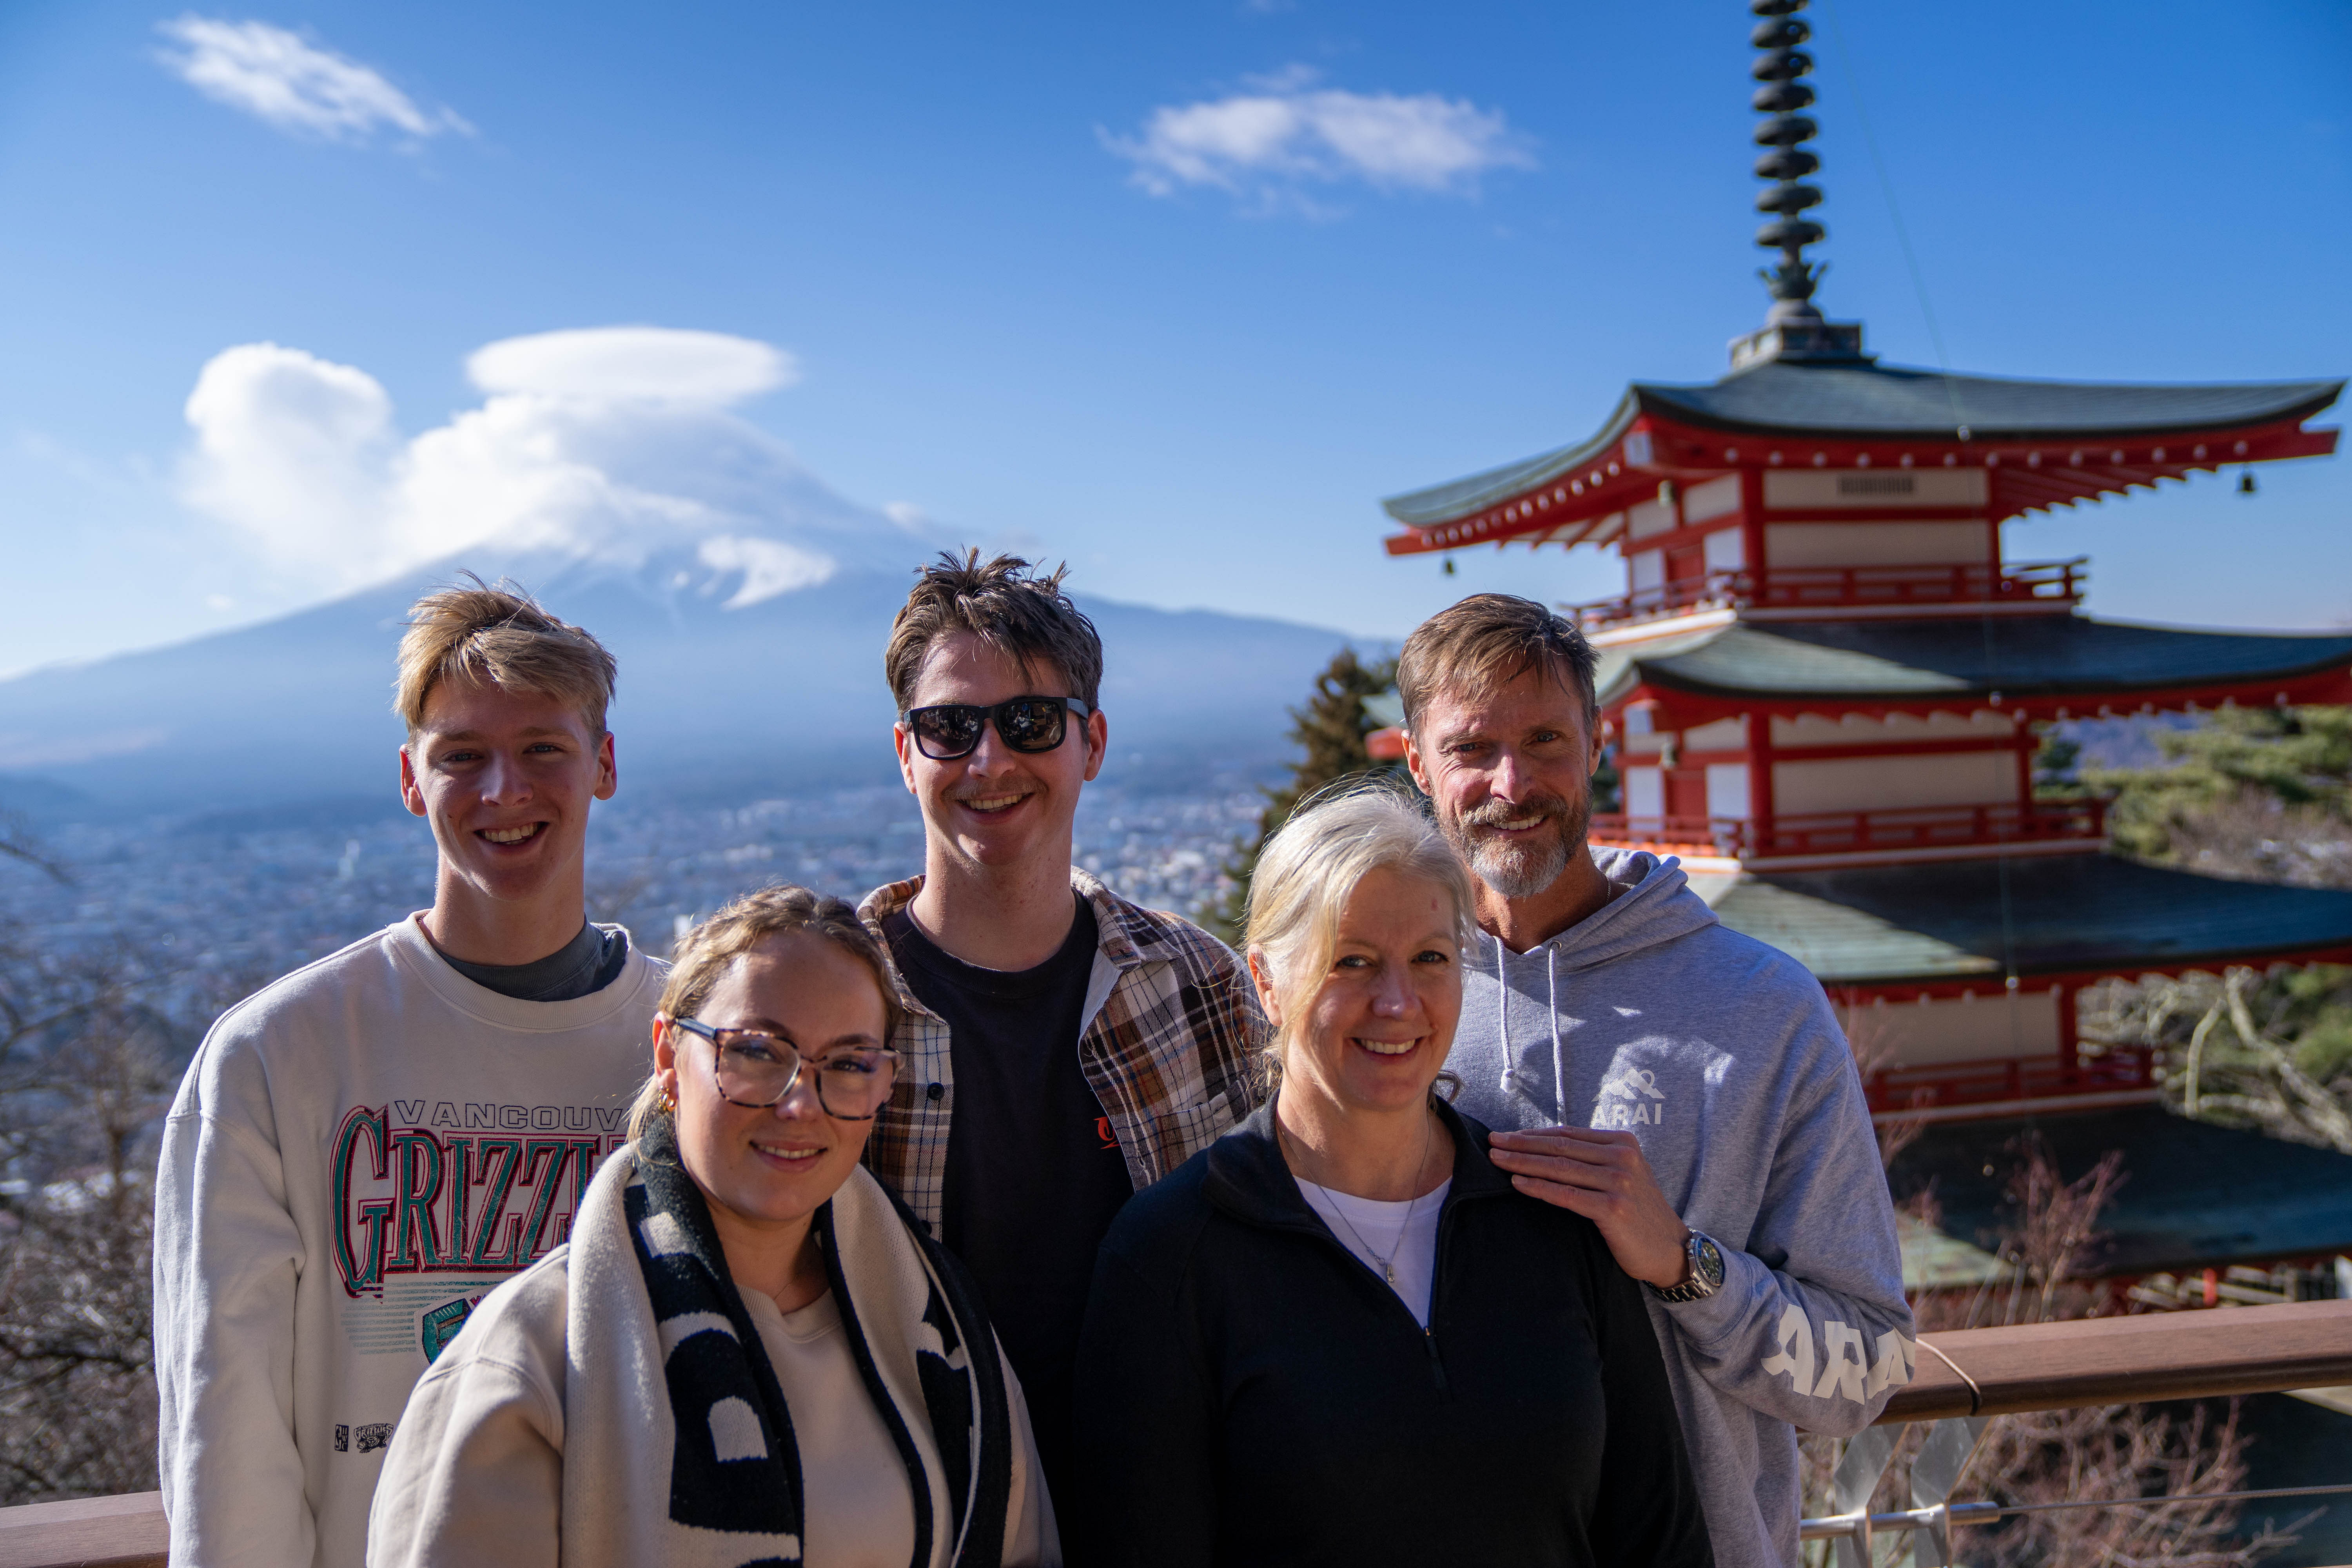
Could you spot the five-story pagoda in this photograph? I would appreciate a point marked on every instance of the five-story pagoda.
(1823, 681)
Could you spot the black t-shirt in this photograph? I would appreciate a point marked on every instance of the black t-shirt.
(1035, 1175)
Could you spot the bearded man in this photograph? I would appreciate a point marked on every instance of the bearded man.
(1683, 1086)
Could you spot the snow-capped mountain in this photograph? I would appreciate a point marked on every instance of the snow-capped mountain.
(608, 471)
(748, 661)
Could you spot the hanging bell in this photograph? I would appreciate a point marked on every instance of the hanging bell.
(2246, 481)
(1449, 560)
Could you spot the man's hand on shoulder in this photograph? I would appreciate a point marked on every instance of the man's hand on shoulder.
(1602, 1177)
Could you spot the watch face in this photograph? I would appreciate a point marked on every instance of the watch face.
(1707, 1262)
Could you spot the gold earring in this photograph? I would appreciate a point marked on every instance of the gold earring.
(665, 1104)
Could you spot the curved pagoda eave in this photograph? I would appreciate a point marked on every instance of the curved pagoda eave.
(2037, 662)
(1463, 497)
(2056, 443)
(1896, 403)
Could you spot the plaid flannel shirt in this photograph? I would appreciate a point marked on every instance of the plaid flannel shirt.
(1171, 1028)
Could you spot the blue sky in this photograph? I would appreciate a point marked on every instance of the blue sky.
(1000, 311)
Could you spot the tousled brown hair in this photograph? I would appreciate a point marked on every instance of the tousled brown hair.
(499, 637)
(702, 955)
(1489, 640)
(1013, 608)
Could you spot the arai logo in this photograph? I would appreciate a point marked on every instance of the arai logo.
(1630, 1099)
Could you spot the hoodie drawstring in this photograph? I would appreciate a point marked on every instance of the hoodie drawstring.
(1502, 1017)
(1515, 1081)
(1559, 1066)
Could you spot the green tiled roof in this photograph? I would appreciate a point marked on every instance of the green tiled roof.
(2019, 655)
(1442, 503)
(1894, 400)
(2057, 914)
(1877, 402)
(1838, 943)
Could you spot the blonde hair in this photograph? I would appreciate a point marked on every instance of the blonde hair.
(1312, 867)
(499, 637)
(703, 955)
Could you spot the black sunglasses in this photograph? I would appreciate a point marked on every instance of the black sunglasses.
(952, 730)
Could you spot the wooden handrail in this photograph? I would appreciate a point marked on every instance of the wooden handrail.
(2129, 1360)
(2052, 583)
(2040, 1366)
(125, 1531)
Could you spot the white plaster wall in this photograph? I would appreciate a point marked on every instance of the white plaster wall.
(1862, 730)
(1716, 498)
(1894, 783)
(1727, 790)
(1649, 570)
(1988, 1027)
(1877, 489)
(1726, 550)
(1645, 792)
(1647, 518)
(1877, 545)
(1723, 735)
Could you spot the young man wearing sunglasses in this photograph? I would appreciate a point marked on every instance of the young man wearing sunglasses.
(1063, 1047)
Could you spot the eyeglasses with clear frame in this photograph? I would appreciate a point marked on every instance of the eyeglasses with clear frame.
(755, 1069)
(951, 729)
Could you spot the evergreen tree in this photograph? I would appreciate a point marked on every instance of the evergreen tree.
(2293, 763)
(2057, 765)
(1330, 731)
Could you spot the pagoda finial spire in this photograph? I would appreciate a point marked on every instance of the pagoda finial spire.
(1781, 69)
(1793, 328)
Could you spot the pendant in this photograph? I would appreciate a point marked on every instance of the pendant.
(1389, 1269)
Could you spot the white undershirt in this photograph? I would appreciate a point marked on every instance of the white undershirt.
(1405, 1234)
(860, 1512)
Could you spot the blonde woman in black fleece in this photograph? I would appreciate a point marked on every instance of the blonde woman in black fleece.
(1337, 1335)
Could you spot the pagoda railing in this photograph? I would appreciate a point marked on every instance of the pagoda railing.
(1936, 1091)
(1861, 831)
(2057, 584)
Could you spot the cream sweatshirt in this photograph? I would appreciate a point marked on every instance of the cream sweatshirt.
(357, 1153)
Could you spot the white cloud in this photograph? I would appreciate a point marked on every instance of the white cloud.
(292, 449)
(656, 364)
(1289, 133)
(279, 78)
(770, 566)
(613, 444)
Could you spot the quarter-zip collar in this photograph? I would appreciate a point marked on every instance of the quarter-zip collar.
(1249, 1178)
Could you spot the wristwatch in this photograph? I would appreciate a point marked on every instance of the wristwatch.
(1705, 1271)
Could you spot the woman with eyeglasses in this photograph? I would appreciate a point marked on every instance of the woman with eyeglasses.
(745, 1352)
(1338, 1335)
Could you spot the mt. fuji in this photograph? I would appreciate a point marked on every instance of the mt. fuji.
(746, 602)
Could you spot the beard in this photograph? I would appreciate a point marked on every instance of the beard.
(1520, 865)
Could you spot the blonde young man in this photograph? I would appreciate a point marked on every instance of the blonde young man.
(1683, 1086)
(1065, 1047)
(364, 1148)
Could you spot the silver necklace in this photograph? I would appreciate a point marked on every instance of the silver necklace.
(1388, 1264)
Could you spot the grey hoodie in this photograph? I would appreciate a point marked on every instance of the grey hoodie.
(1721, 1055)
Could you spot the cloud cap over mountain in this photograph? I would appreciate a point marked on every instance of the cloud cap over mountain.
(595, 441)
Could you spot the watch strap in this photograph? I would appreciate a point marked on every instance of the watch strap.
(1704, 1281)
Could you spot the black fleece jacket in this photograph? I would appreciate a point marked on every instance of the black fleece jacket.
(1249, 1393)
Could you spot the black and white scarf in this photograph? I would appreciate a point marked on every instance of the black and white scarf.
(666, 1316)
